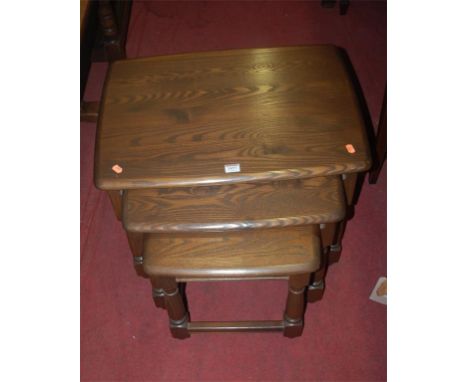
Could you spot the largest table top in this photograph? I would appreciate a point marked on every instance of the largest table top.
(274, 113)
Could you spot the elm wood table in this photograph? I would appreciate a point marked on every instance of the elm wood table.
(291, 253)
(277, 113)
(225, 118)
(235, 207)
(232, 207)
(273, 113)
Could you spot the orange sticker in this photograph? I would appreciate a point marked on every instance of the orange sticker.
(117, 169)
(350, 148)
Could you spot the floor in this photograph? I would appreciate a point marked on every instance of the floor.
(125, 338)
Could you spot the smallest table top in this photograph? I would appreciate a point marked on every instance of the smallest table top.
(241, 254)
(227, 117)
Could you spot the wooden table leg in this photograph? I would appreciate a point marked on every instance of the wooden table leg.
(294, 314)
(178, 315)
(116, 199)
(349, 184)
(158, 293)
(344, 5)
(328, 233)
(110, 31)
(380, 144)
(316, 288)
(335, 249)
(135, 241)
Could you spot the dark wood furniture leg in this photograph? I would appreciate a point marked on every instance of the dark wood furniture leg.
(179, 318)
(328, 3)
(335, 249)
(109, 30)
(113, 18)
(89, 30)
(116, 200)
(178, 315)
(316, 288)
(327, 234)
(158, 292)
(293, 320)
(349, 183)
(381, 144)
(344, 5)
(350, 187)
(103, 37)
(135, 241)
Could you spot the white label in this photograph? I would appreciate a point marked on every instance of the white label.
(375, 293)
(233, 167)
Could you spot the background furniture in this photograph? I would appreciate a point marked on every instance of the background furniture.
(103, 34)
(381, 144)
(342, 4)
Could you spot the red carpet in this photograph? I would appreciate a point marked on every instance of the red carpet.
(125, 338)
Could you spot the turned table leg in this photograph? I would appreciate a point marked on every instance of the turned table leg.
(112, 36)
(316, 288)
(335, 249)
(178, 315)
(158, 292)
(135, 241)
(294, 315)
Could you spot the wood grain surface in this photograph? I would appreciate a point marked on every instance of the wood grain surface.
(234, 206)
(279, 113)
(250, 253)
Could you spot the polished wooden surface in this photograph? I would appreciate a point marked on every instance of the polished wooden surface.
(235, 206)
(260, 252)
(279, 113)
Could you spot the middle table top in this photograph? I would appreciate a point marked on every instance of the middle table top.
(229, 116)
